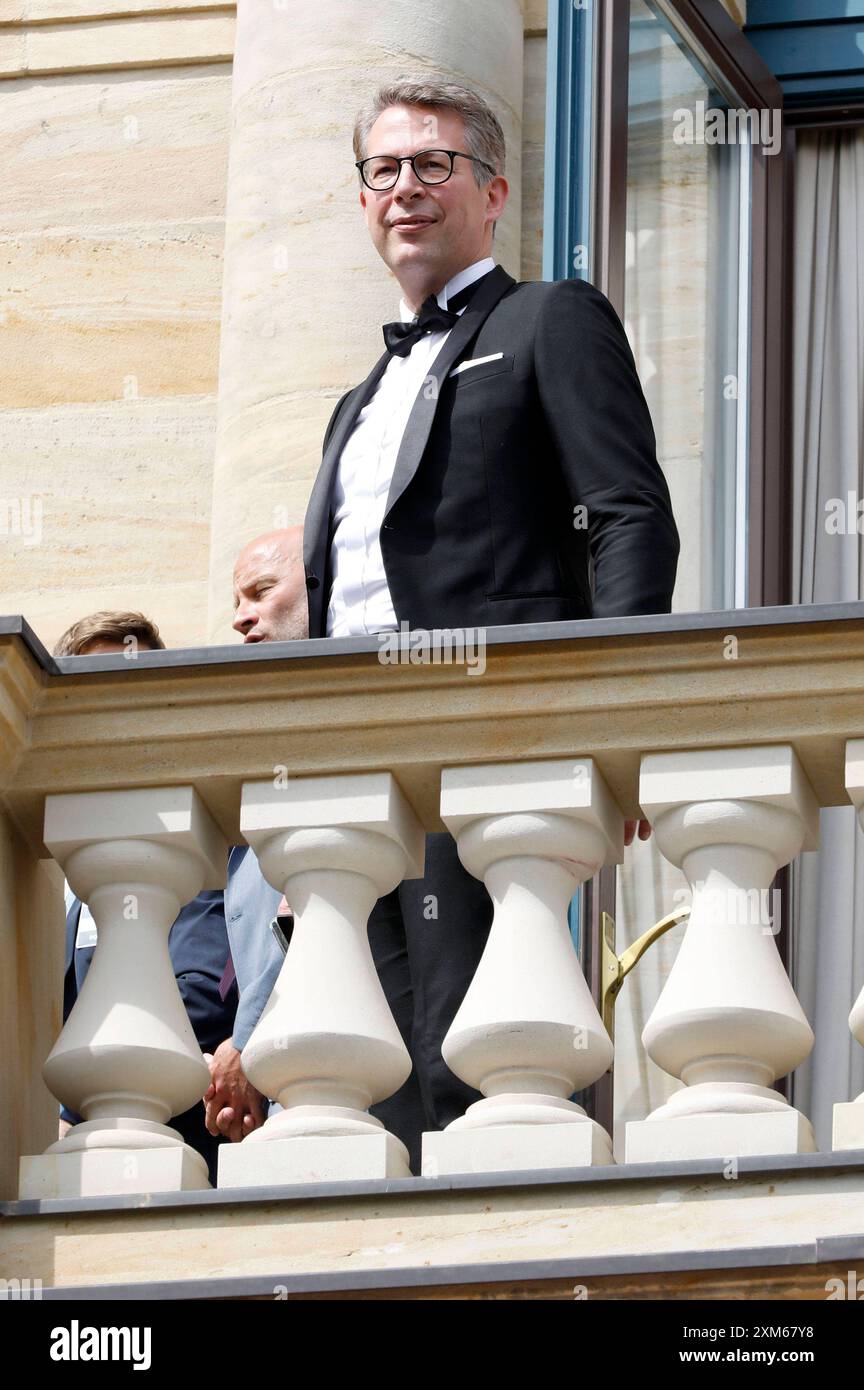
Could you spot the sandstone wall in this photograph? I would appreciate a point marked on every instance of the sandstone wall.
(113, 147)
(114, 131)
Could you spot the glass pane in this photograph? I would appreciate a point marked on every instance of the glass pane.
(686, 315)
(568, 153)
(685, 302)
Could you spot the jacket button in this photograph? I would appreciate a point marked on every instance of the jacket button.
(312, 581)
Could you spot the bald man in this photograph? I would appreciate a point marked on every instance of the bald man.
(270, 606)
(270, 588)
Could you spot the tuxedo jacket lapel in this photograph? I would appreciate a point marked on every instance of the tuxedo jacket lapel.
(316, 525)
(419, 425)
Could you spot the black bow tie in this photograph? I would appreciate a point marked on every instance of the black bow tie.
(401, 337)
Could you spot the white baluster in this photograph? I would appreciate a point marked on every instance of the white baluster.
(327, 1046)
(848, 1130)
(127, 1059)
(728, 1022)
(528, 1034)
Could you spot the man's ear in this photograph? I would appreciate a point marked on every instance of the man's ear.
(500, 189)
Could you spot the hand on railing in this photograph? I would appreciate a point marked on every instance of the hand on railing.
(232, 1105)
(630, 828)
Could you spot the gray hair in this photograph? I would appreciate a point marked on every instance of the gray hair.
(484, 138)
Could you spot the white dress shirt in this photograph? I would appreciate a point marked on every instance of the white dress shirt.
(360, 599)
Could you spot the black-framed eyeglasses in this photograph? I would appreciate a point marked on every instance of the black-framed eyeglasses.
(381, 171)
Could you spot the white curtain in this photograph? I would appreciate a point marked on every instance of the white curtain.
(828, 463)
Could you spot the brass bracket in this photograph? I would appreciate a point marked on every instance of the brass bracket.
(615, 969)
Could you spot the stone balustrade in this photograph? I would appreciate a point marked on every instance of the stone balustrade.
(528, 1034)
(327, 1046)
(727, 1022)
(287, 750)
(127, 1059)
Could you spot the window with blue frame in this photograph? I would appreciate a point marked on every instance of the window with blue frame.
(686, 272)
(686, 298)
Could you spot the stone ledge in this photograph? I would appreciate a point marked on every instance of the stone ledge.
(60, 11)
(213, 716)
(795, 1272)
(789, 1165)
(481, 1231)
(101, 45)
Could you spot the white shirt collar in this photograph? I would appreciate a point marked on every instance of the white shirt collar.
(460, 281)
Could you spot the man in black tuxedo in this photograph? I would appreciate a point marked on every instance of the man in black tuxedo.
(500, 444)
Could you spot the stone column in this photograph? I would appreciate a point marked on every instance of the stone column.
(304, 292)
(326, 1046)
(728, 1022)
(848, 1130)
(127, 1059)
(528, 1034)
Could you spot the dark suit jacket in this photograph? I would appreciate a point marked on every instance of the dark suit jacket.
(479, 527)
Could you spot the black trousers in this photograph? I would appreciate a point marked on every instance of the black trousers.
(427, 937)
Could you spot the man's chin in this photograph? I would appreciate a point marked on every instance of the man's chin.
(400, 251)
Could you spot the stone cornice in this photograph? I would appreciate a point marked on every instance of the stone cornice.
(105, 35)
(30, 12)
(22, 684)
(612, 690)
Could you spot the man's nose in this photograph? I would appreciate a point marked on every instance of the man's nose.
(407, 184)
(244, 618)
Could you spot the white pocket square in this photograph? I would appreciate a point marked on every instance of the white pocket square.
(476, 362)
